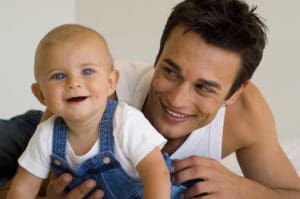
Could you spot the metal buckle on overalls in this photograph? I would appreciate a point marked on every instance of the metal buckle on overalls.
(106, 160)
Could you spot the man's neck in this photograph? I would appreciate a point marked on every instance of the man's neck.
(145, 109)
(172, 145)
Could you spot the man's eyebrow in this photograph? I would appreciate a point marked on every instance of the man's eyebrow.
(200, 81)
(209, 83)
(172, 64)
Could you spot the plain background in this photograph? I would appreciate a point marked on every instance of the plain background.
(132, 29)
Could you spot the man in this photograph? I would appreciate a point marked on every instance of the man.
(200, 98)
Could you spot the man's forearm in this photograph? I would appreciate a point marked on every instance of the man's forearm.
(254, 190)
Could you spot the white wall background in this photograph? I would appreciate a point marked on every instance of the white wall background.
(278, 74)
(23, 24)
(132, 29)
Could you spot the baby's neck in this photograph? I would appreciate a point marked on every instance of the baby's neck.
(83, 136)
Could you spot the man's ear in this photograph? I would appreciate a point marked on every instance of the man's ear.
(236, 94)
(113, 81)
(35, 88)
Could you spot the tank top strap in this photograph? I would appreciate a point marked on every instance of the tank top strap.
(106, 127)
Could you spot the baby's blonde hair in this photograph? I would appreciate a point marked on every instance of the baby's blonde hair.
(62, 34)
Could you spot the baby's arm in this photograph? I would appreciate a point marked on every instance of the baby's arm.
(25, 185)
(155, 176)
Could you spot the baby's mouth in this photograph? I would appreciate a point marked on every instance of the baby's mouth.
(76, 99)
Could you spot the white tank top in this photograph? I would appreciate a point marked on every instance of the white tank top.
(133, 86)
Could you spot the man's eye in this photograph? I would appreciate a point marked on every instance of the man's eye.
(87, 72)
(204, 89)
(58, 76)
(170, 72)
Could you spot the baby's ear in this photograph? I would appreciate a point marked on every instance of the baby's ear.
(35, 88)
(113, 81)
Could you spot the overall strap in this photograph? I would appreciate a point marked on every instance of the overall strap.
(59, 138)
(106, 127)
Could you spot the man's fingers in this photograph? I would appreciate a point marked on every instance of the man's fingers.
(199, 189)
(57, 186)
(98, 194)
(81, 190)
(195, 169)
(192, 161)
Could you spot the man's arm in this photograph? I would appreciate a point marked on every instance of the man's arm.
(250, 131)
(260, 155)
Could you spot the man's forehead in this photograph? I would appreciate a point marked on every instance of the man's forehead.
(180, 30)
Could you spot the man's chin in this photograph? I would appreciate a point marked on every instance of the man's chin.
(169, 133)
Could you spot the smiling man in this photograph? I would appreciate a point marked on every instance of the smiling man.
(190, 84)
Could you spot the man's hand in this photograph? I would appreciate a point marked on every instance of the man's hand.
(55, 189)
(215, 181)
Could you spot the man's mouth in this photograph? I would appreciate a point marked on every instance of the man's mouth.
(76, 99)
(176, 115)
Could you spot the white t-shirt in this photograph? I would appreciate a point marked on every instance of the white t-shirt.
(134, 138)
(134, 83)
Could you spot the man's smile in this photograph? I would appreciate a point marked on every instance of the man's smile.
(174, 115)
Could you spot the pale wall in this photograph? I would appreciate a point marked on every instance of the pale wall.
(23, 23)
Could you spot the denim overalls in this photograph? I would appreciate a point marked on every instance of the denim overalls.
(103, 167)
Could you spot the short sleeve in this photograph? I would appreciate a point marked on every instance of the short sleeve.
(36, 157)
(135, 136)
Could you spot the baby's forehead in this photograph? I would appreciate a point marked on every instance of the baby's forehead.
(83, 36)
(85, 43)
(65, 34)
(76, 40)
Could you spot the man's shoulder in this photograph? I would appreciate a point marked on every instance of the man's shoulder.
(246, 120)
(250, 104)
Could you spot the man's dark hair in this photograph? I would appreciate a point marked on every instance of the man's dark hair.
(229, 24)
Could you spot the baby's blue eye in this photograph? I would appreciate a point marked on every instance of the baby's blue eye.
(58, 76)
(87, 72)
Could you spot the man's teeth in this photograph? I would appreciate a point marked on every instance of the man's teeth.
(175, 114)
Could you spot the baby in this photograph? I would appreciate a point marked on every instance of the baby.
(89, 135)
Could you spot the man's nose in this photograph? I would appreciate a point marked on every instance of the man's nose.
(180, 95)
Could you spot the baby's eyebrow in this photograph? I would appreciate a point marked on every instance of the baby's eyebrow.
(88, 64)
(53, 69)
